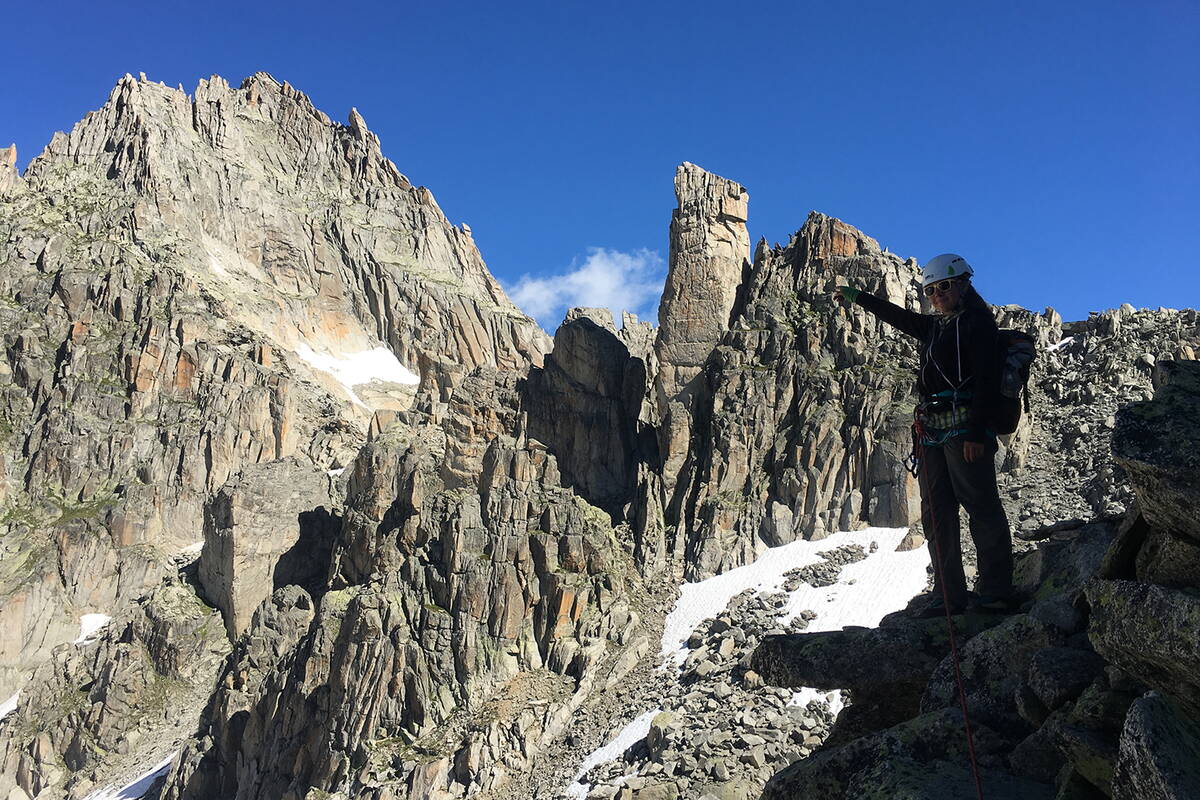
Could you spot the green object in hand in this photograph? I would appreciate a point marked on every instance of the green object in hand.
(850, 293)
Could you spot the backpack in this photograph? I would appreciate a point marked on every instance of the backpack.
(1015, 352)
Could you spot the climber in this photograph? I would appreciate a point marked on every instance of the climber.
(957, 379)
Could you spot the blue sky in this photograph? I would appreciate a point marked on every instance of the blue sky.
(1052, 144)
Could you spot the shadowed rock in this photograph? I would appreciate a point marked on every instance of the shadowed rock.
(925, 758)
(252, 529)
(1159, 752)
(1158, 443)
(1149, 631)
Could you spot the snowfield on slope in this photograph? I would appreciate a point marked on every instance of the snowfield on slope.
(865, 590)
(864, 593)
(137, 787)
(630, 735)
(10, 705)
(356, 369)
(90, 624)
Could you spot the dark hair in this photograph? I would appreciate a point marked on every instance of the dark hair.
(971, 298)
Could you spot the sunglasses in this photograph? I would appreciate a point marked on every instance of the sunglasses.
(941, 287)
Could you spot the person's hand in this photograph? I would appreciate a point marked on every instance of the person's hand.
(846, 295)
(972, 451)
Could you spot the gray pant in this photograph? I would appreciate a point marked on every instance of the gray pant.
(948, 481)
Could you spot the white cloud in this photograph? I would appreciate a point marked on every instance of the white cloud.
(606, 279)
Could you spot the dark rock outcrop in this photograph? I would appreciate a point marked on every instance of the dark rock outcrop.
(1158, 446)
(589, 404)
(1149, 631)
(924, 759)
(1159, 752)
(1063, 683)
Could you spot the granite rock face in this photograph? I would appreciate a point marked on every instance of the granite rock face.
(92, 712)
(590, 404)
(709, 253)
(1159, 752)
(188, 282)
(801, 424)
(271, 526)
(191, 286)
(10, 179)
(464, 625)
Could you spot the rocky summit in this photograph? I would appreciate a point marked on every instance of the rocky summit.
(295, 504)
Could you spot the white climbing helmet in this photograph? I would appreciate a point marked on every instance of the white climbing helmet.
(947, 265)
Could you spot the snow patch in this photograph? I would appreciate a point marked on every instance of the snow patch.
(356, 369)
(865, 591)
(806, 695)
(1060, 344)
(138, 786)
(9, 705)
(89, 624)
(632, 733)
(335, 473)
(192, 549)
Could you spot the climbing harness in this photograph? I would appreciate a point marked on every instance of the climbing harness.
(937, 564)
(935, 422)
(947, 413)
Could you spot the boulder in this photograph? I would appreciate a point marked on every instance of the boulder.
(1149, 631)
(855, 659)
(992, 666)
(1037, 756)
(1062, 564)
(1159, 752)
(925, 757)
(1059, 674)
(1121, 559)
(1169, 559)
(1158, 444)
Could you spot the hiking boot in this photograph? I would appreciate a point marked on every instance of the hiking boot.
(994, 604)
(935, 608)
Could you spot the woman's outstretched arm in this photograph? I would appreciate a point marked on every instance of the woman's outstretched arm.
(910, 322)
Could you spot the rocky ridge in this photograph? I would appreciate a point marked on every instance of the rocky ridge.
(473, 595)
(1089, 692)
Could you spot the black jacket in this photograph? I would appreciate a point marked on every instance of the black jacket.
(957, 353)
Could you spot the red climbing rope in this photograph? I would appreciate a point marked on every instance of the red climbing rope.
(937, 565)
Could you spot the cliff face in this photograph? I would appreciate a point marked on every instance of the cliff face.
(193, 285)
(326, 578)
(465, 622)
(802, 421)
(709, 250)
